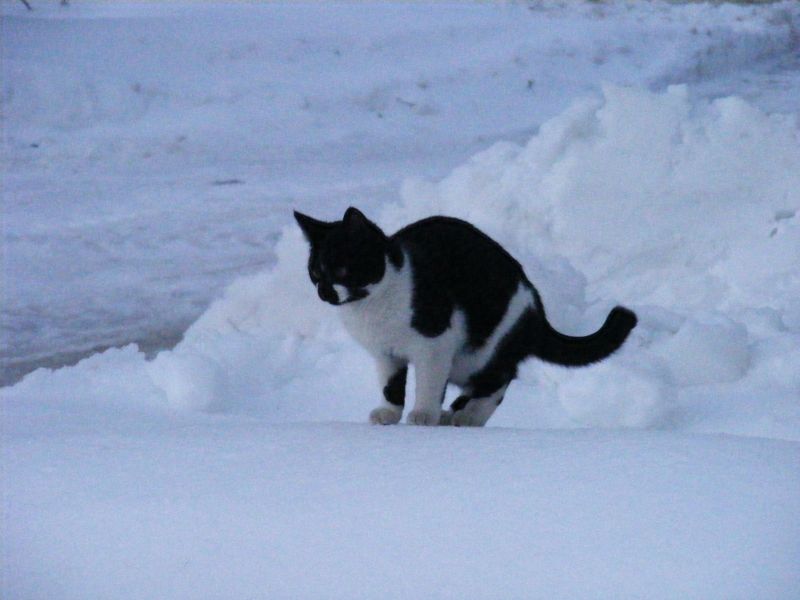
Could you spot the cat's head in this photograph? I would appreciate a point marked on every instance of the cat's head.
(346, 257)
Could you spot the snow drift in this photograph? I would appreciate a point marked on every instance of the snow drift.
(232, 510)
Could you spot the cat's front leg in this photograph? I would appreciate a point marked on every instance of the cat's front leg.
(392, 376)
(431, 380)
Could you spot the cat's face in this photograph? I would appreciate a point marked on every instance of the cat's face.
(346, 257)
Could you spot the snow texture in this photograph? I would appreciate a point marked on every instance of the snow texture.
(646, 155)
(242, 510)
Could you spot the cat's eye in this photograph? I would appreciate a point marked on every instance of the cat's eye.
(315, 274)
(340, 273)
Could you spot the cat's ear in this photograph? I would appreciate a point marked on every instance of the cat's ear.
(355, 220)
(313, 229)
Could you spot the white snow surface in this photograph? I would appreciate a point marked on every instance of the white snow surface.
(236, 510)
(646, 155)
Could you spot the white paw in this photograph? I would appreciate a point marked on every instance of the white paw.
(423, 417)
(385, 416)
(446, 418)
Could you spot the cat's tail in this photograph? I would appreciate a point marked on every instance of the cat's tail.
(555, 347)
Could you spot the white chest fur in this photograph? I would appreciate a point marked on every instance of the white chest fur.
(381, 322)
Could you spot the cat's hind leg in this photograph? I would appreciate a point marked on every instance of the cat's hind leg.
(472, 411)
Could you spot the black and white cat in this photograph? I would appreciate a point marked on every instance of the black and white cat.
(443, 296)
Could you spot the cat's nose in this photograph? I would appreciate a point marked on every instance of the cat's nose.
(327, 293)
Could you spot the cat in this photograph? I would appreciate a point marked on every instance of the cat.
(445, 297)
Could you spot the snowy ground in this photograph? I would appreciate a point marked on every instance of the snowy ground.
(647, 155)
(235, 510)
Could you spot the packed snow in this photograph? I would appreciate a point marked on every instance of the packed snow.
(244, 510)
(646, 155)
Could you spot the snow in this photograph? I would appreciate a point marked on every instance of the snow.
(230, 509)
(645, 155)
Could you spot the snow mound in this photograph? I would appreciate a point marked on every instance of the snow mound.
(708, 352)
(617, 395)
(250, 510)
(685, 211)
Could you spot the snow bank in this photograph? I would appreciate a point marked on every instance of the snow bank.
(237, 510)
(684, 211)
